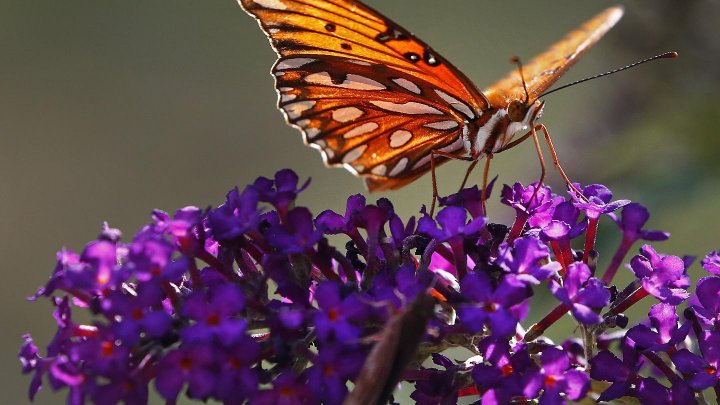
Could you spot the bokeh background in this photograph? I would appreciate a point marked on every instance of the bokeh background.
(111, 108)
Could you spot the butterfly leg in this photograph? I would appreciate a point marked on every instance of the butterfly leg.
(446, 155)
(557, 162)
(467, 174)
(483, 195)
(533, 132)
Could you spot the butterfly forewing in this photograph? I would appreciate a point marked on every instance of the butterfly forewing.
(545, 69)
(366, 92)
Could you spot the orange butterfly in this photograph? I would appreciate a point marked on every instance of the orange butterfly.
(380, 102)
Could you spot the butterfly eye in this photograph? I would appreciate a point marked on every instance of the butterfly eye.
(517, 111)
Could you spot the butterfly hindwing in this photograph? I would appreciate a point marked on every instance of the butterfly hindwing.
(368, 117)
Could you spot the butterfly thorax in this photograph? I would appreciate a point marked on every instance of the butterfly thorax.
(497, 127)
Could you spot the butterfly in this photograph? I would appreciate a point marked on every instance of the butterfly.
(375, 99)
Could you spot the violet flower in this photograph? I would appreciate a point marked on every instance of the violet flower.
(582, 293)
(261, 301)
(665, 332)
(663, 277)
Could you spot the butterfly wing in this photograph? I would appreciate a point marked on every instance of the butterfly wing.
(546, 68)
(364, 91)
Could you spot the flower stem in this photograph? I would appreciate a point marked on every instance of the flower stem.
(590, 236)
(517, 227)
(617, 259)
(631, 300)
(559, 257)
(661, 365)
(539, 328)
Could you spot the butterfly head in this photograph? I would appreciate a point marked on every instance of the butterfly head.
(523, 115)
(517, 110)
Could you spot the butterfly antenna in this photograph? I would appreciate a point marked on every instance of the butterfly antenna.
(666, 55)
(516, 61)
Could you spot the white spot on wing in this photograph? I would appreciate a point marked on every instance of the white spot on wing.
(361, 130)
(287, 97)
(312, 132)
(346, 114)
(422, 162)
(442, 125)
(455, 146)
(379, 170)
(456, 104)
(458, 144)
(353, 82)
(354, 154)
(411, 107)
(294, 110)
(399, 167)
(400, 138)
(407, 85)
(273, 4)
(302, 123)
(293, 63)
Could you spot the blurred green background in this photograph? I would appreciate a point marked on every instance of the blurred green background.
(111, 108)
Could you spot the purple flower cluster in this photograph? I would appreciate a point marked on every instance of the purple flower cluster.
(250, 302)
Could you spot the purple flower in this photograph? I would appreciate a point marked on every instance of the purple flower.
(238, 215)
(287, 389)
(707, 308)
(331, 370)
(527, 259)
(332, 223)
(438, 385)
(491, 305)
(711, 263)
(469, 198)
(216, 315)
(296, 235)
(31, 361)
(633, 217)
(238, 380)
(141, 312)
(599, 202)
(94, 272)
(559, 379)
(565, 223)
(336, 317)
(700, 374)
(621, 373)
(453, 224)
(504, 375)
(252, 302)
(127, 389)
(281, 192)
(581, 293)
(192, 365)
(518, 197)
(664, 277)
(666, 334)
